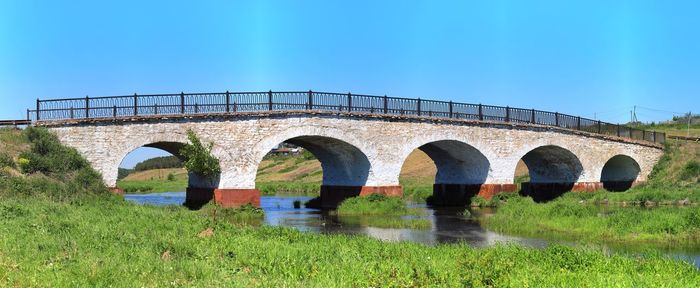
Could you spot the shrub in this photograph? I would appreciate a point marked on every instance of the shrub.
(199, 159)
(171, 177)
(6, 160)
(479, 200)
(48, 155)
(690, 170)
(56, 171)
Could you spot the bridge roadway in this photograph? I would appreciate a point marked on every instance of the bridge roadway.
(362, 153)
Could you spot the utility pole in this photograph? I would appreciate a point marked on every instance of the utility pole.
(690, 114)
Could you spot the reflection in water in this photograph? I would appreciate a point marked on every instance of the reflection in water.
(448, 224)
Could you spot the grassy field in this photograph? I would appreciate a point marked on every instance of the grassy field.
(78, 244)
(675, 128)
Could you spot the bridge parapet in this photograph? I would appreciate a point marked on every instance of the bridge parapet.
(189, 104)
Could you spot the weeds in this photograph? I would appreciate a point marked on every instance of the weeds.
(374, 204)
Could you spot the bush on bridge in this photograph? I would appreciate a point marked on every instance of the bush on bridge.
(199, 159)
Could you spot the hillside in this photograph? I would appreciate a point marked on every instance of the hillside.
(34, 163)
(677, 127)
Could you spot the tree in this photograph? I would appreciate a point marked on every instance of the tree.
(198, 158)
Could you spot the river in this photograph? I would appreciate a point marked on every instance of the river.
(447, 225)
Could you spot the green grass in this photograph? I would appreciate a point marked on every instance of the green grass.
(289, 188)
(246, 215)
(639, 196)
(374, 204)
(417, 189)
(78, 244)
(152, 186)
(678, 128)
(568, 218)
(387, 222)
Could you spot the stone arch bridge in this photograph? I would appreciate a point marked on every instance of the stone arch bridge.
(361, 141)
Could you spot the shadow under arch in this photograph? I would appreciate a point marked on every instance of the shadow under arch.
(461, 171)
(345, 168)
(553, 170)
(619, 173)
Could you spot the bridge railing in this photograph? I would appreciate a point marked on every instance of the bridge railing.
(233, 102)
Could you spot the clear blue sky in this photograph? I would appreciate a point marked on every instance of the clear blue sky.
(586, 58)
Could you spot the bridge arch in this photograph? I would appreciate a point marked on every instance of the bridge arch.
(344, 160)
(461, 170)
(173, 148)
(457, 162)
(553, 170)
(343, 164)
(619, 173)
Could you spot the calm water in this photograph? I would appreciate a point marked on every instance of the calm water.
(448, 226)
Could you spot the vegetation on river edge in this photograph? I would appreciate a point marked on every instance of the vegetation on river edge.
(78, 244)
(566, 217)
(374, 204)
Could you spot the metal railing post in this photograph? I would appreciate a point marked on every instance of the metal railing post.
(507, 114)
(533, 117)
(349, 102)
(182, 102)
(155, 109)
(578, 123)
(450, 109)
(556, 119)
(71, 113)
(136, 104)
(87, 107)
(386, 105)
(310, 103)
(228, 101)
(481, 112)
(269, 100)
(114, 111)
(37, 109)
(599, 127)
(418, 106)
(29, 118)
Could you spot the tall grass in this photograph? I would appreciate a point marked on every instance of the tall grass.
(108, 242)
(289, 188)
(568, 218)
(374, 204)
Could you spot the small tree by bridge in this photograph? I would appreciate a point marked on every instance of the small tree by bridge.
(198, 158)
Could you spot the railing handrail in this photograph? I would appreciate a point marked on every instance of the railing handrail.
(233, 102)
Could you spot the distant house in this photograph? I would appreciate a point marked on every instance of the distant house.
(286, 149)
